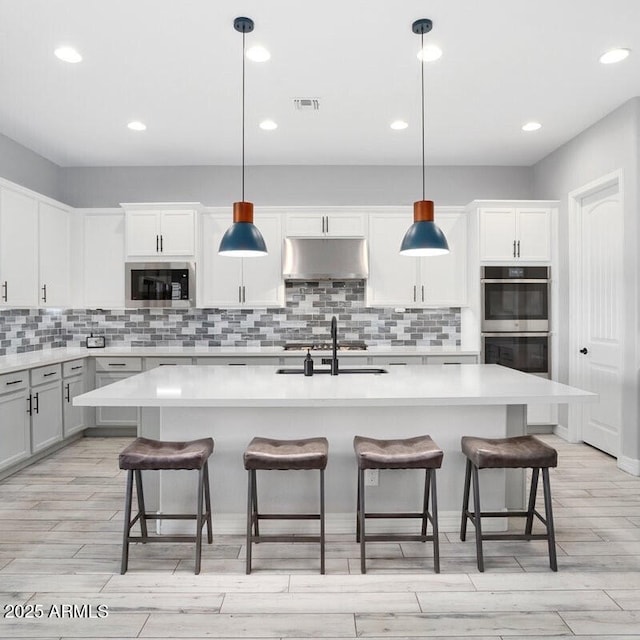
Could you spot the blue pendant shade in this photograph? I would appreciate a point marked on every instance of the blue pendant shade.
(242, 239)
(424, 237)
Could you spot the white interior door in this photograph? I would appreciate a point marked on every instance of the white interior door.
(598, 277)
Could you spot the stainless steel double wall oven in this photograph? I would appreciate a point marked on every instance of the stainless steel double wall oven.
(515, 318)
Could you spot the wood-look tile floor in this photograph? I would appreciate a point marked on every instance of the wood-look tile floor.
(60, 532)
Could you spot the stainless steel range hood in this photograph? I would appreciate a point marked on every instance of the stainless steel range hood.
(325, 258)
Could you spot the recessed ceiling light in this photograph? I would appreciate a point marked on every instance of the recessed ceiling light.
(68, 54)
(398, 125)
(430, 53)
(268, 125)
(531, 126)
(614, 55)
(258, 54)
(136, 125)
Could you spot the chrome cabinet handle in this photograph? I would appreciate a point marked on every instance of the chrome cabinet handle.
(518, 248)
(68, 393)
(6, 291)
(44, 293)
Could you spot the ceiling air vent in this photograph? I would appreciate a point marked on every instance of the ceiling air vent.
(306, 104)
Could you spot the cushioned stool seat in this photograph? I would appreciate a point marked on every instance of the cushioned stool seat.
(144, 454)
(419, 452)
(268, 454)
(520, 452)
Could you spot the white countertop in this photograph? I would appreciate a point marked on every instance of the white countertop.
(19, 361)
(260, 386)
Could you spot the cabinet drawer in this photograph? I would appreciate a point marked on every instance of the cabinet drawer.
(452, 359)
(45, 374)
(152, 363)
(14, 381)
(396, 360)
(239, 361)
(118, 364)
(73, 368)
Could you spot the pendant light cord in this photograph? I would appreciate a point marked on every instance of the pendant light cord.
(243, 65)
(422, 78)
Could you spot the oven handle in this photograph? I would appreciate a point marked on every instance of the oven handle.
(517, 334)
(516, 281)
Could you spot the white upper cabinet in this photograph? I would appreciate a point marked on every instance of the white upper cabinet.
(54, 250)
(317, 223)
(18, 249)
(509, 234)
(160, 232)
(103, 259)
(239, 282)
(401, 281)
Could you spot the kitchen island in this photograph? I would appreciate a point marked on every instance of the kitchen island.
(234, 404)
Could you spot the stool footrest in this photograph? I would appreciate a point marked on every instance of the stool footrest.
(287, 516)
(398, 537)
(514, 536)
(170, 516)
(284, 538)
(162, 538)
(394, 515)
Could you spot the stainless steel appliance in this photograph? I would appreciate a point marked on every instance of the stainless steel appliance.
(528, 352)
(325, 258)
(160, 284)
(515, 299)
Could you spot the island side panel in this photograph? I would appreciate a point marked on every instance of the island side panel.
(233, 428)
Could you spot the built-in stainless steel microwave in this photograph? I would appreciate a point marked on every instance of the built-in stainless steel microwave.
(160, 284)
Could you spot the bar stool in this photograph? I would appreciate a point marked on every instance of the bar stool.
(267, 454)
(145, 454)
(420, 452)
(521, 452)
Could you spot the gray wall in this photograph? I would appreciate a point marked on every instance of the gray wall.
(610, 144)
(292, 185)
(24, 167)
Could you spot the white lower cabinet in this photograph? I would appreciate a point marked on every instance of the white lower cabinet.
(108, 371)
(74, 419)
(45, 407)
(15, 435)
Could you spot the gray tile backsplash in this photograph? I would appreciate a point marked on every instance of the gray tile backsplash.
(307, 313)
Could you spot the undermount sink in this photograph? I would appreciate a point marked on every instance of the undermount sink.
(340, 372)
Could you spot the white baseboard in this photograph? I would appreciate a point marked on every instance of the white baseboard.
(561, 431)
(336, 523)
(630, 465)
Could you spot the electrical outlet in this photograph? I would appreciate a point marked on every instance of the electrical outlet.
(370, 477)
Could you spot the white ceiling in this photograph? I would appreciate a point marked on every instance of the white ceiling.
(176, 65)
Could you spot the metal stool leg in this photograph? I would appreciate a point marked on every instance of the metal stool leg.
(127, 522)
(551, 536)
(207, 502)
(199, 520)
(250, 484)
(532, 500)
(425, 502)
(255, 519)
(358, 511)
(465, 501)
(363, 551)
(434, 521)
(141, 508)
(322, 521)
(477, 518)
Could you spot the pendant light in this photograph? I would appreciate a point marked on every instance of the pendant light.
(424, 237)
(243, 239)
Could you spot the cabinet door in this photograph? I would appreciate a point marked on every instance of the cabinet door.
(73, 417)
(305, 224)
(54, 242)
(392, 277)
(143, 233)
(46, 415)
(177, 233)
(533, 234)
(104, 260)
(312, 224)
(220, 276)
(114, 416)
(262, 277)
(345, 225)
(14, 428)
(498, 234)
(18, 249)
(443, 279)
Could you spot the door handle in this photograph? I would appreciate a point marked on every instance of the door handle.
(518, 248)
(327, 219)
(239, 293)
(37, 402)
(422, 293)
(117, 364)
(244, 294)
(67, 396)
(514, 248)
(414, 292)
(157, 243)
(161, 243)
(46, 375)
(13, 382)
(6, 290)
(584, 350)
(44, 293)
(29, 405)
